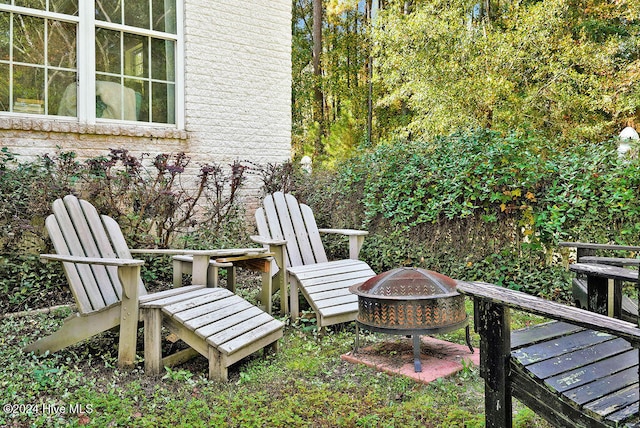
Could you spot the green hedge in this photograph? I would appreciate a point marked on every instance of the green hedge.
(475, 205)
(480, 205)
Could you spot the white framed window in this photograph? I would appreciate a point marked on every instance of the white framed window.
(96, 60)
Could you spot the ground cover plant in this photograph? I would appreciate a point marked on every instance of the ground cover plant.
(305, 384)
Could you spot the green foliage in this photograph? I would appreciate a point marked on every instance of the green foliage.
(153, 203)
(341, 124)
(480, 205)
(25, 188)
(454, 177)
(568, 70)
(305, 384)
(28, 283)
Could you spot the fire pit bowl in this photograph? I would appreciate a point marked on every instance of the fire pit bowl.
(410, 301)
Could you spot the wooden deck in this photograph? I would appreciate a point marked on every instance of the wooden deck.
(594, 374)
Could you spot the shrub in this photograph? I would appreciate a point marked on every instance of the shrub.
(147, 196)
(151, 202)
(27, 190)
(480, 205)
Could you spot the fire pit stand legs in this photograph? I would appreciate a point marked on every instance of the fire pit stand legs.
(417, 364)
(415, 334)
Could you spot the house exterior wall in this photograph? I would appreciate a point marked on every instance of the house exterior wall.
(237, 98)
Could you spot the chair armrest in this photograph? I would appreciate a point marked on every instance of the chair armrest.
(525, 302)
(268, 241)
(278, 247)
(592, 246)
(91, 260)
(347, 232)
(220, 252)
(613, 261)
(356, 239)
(605, 271)
(129, 275)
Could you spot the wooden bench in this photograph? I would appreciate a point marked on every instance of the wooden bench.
(578, 371)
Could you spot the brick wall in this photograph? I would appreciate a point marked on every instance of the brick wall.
(237, 95)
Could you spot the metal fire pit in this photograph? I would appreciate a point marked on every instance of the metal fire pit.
(411, 302)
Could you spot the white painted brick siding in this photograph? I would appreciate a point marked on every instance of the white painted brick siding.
(237, 95)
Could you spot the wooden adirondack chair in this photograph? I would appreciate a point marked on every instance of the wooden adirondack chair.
(580, 370)
(587, 253)
(290, 230)
(105, 282)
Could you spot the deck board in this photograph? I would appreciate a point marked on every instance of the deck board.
(555, 347)
(541, 332)
(591, 371)
(607, 385)
(578, 359)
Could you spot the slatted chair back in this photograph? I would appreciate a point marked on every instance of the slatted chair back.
(283, 217)
(76, 229)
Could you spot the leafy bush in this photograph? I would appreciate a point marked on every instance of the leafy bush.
(27, 190)
(149, 198)
(480, 205)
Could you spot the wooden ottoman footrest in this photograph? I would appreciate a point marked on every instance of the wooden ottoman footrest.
(218, 324)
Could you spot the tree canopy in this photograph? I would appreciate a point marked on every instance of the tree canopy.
(565, 69)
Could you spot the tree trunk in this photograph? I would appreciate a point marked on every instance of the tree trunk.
(408, 6)
(318, 108)
(369, 71)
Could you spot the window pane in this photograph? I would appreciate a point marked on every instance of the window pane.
(115, 101)
(108, 94)
(34, 4)
(136, 13)
(4, 87)
(28, 89)
(63, 93)
(164, 16)
(109, 11)
(163, 103)
(135, 55)
(68, 7)
(107, 51)
(28, 39)
(62, 44)
(4, 37)
(140, 91)
(162, 59)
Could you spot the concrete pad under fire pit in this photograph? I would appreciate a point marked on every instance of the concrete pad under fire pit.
(395, 356)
